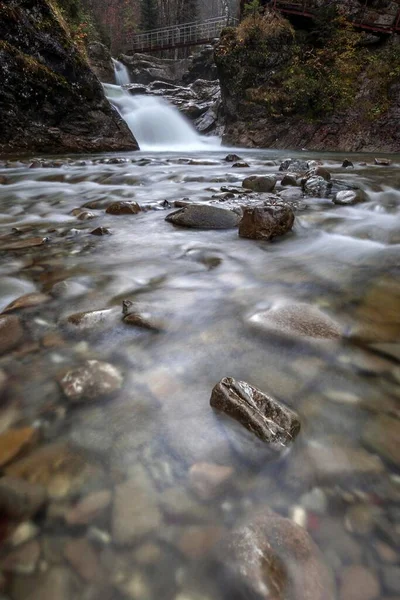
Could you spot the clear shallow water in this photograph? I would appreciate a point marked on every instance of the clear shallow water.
(206, 285)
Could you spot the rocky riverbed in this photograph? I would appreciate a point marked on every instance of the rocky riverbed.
(131, 285)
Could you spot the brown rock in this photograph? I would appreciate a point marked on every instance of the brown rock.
(26, 243)
(134, 513)
(89, 509)
(268, 419)
(27, 301)
(101, 231)
(196, 542)
(93, 380)
(359, 583)
(266, 222)
(55, 466)
(57, 583)
(24, 560)
(382, 434)
(257, 183)
(208, 480)
(20, 499)
(123, 208)
(383, 162)
(272, 557)
(82, 557)
(11, 333)
(15, 442)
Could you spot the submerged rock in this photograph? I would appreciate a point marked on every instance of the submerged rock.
(15, 442)
(20, 499)
(265, 417)
(123, 208)
(91, 381)
(134, 513)
(270, 557)
(27, 301)
(382, 435)
(11, 333)
(348, 197)
(266, 222)
(199, 216)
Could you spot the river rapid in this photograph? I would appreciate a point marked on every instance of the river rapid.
(163, 484)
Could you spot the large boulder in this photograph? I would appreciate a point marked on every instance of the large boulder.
(266, 222)
(50, 99)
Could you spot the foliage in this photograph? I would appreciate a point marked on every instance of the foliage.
(251, 8)
(149, 14)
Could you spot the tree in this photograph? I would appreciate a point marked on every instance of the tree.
(149, 14)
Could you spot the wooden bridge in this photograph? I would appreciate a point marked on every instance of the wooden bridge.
(180, 36)
(203, 32)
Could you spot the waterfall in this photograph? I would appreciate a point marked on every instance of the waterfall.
(156, 124)
(121, 73)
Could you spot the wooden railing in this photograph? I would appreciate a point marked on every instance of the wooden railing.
(179, 36)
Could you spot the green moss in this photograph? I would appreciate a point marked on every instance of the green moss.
(32, 67)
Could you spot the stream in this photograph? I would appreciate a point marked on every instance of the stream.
(144, 487)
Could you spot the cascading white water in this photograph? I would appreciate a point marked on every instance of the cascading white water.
(121, 73)
(155, 124)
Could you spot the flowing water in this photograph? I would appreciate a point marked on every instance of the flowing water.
(157, 536)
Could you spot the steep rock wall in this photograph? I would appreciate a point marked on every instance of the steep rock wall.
(50, 100)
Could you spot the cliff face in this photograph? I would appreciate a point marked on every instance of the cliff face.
(50, 101)
(328, 88)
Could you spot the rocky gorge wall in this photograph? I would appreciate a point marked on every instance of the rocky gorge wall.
(328, 88)
(50, 100)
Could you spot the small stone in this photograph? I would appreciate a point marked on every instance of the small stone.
(101, 231)
(82, 557)
(14, 442)
(266, 222)
(347, 164)
(27, 301)
(20, 499)
(315, 501)
(93, 380)
(208, 480)
(56, 583)
(232, 158)
(179, 505)
(24, 560)
(93, 320)
(316, 187)
(240, 165)
(289, 180)
(382, 434)
(11, 333)
(360, 519)
(147, 554)
(258, 183)
(89, 509)
(359, 583)
(385, 552)
(349, 197)
(25, 532)
(383, 162)
(265, 417)
(204, 216)
(123, 208)
(196, 542)
(134, 514)
(26, 243)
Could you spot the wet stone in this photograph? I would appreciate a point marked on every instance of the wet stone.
(266, 222)
(93, 320)
(101, 231)
(208, 480)
(82, 557)
(11, 333)
(391, 579)
(27, 301)
(265, 417)
(91, 381)
(289, 180)
(15, 442)
(56, 583)
(382, 434)
(24, 560)
(382, 162)
(89, 509)
(349, 197)
(269, 552)
(359, 583)
(232, 158)
(25, 532)
(347, 164)
(240, 165)
(258, 183)
(134, 513)
(20, 499)
(123, 208)
(317, 187)
(200, 216)
(25, 243)
(196, 541)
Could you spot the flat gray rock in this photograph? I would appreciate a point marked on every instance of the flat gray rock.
(199, 216)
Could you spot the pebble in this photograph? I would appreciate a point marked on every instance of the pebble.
(349, 197)
(258, 183)
(385, 552)
(82, 557)
(91, 381)
(360, 519)
(208, 480)
(11, 333)
(315, 501)
(24, 560)
(89, 508)
(15, 442)
(101, 231)
(56, 583)
(196, 542)
(20, 499)
(134, 513)
(26, 243)
(27, 301)
(123, 208)
(391, 579)
(359, 583)
(382, 434)
(25, 532)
